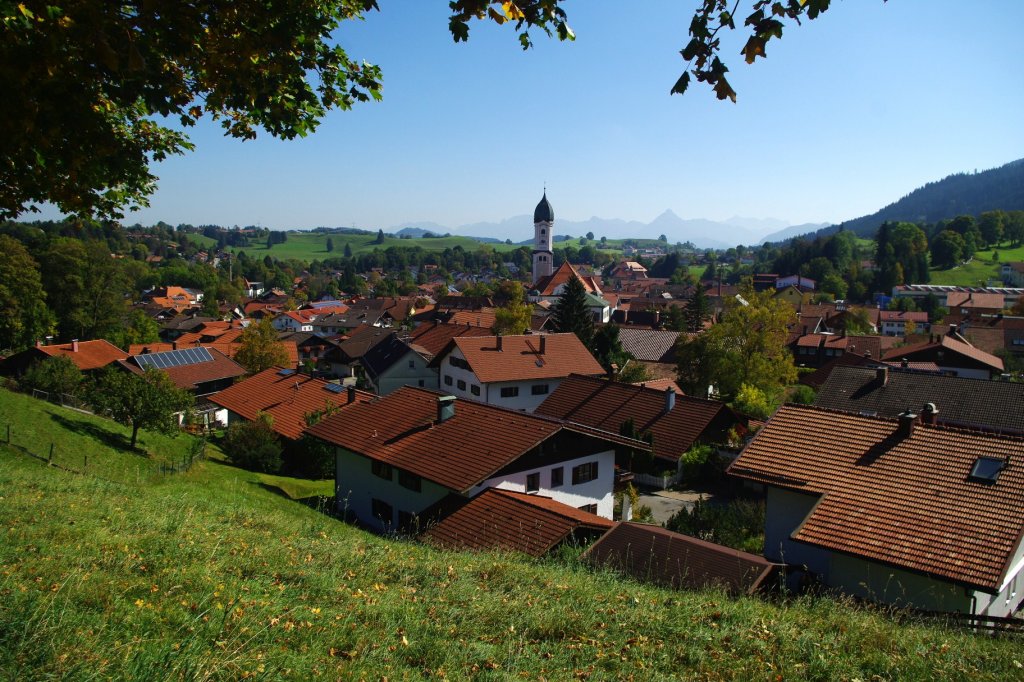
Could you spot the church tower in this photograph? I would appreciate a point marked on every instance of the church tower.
(543, 222)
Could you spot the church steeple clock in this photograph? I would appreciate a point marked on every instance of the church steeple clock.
(543, 222)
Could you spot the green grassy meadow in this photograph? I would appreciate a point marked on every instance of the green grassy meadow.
(980, 270)
(210, 575)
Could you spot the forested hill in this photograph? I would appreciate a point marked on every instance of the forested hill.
(960, 194)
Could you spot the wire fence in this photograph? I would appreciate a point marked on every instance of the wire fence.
(100, 467)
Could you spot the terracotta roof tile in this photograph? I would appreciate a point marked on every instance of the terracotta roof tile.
(286, 396)
(947, 343)
(606, 405)
(521, 357)
(435, 337)
(500, 519)
(653, 554)
(483, 317)
(906, 501)
(458, 453)
(90, 354)
(548, 286)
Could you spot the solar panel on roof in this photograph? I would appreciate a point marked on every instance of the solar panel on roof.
(286, 372)
(174, 358)
(334, 388)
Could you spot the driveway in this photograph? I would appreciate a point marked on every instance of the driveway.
(665, 503)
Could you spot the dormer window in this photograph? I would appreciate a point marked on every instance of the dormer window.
(987, 469)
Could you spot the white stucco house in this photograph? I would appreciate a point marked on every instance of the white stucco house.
(400, 457)
(893, 509)
(517, 372)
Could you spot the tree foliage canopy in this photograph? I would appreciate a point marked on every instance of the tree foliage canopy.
(259, 348)
(148, 401)
(747, 347)
(24, 317)
(98, 84)
(571, 314)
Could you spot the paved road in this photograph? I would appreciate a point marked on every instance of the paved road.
(665, 503)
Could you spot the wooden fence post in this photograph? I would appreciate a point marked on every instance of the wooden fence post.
(49, 459)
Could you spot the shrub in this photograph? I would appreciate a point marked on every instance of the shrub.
(254, 445)
(738, 524)
(802, 395)
(58, 374)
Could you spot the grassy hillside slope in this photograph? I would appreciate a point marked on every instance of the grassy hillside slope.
(210, 575)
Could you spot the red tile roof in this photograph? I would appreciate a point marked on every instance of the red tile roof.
(653, 554)
(504, 520)
(548, 286)
(284, 395)
(483, 317)
(90, 354)
(904, 501)
(969, 299)
(606, 405)
(435, 337)
(520, 357)
(464, 450)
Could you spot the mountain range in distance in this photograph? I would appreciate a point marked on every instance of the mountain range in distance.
(699, 231)
(958, 194)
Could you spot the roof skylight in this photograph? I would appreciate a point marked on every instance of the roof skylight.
(987, 469)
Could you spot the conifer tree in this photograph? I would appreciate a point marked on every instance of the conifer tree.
(571, 314)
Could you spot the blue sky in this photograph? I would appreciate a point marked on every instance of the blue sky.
(848, 113)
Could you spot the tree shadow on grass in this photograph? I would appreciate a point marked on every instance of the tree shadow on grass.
(113, 440)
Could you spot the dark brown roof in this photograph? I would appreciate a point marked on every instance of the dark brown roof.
(907, 501)
(434, 337)
(653, 554)
(520, 357)
(927, 350)
(500, 519)
(458, 453)
(286, 396)
(607, 404)
(976, 403)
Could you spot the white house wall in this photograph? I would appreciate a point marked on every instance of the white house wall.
(598, 491)
(491, 393)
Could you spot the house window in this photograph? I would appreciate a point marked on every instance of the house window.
(458, 362)
(461, 385)
(410, 481)
(447, 380)
(509, 391)
(589, 508)
(532, 482)
(382, 510)
(474, 389)
(539, 389)
(381, 469)
(412, 364)
(557, 474)
(422, 383)
(584, 473)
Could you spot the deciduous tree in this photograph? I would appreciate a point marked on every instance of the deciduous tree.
(259, 348)
(748, 346)
(148, 401)
(24, 317)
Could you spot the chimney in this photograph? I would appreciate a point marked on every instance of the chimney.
(882, 375)
(907, 422)
(543, 343)
(445, 408)
(351, 394)
(74, 345)
(39, 343)
(867, 354)
(670, 399)
(952, 329)
(929, 414)
(904, 363)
